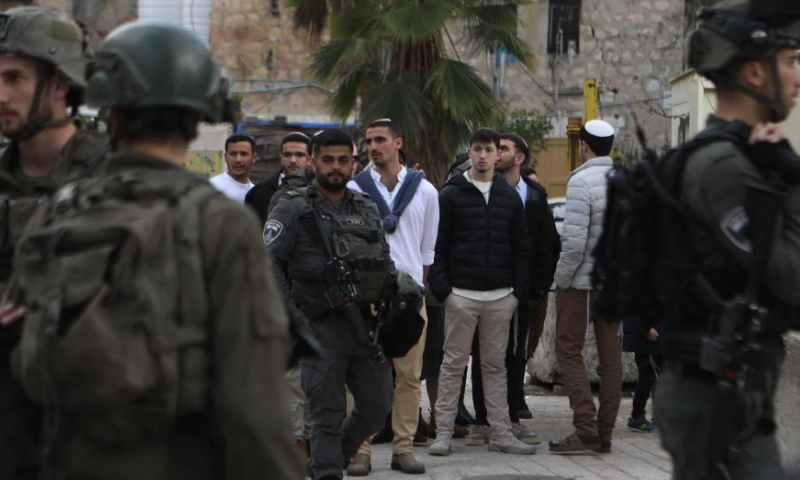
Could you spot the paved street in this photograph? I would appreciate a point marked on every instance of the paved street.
(635, 456)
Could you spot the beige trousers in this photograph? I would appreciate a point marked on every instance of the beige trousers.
(493, 319)
(407, 392)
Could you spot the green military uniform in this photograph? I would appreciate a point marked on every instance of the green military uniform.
(236, 434)
(156, 337)
(294, 233)
(56, 41)
(712, 426)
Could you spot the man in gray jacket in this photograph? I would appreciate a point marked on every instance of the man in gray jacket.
(583, 224)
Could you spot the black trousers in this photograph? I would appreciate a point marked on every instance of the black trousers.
(649, 367)
(515, 367)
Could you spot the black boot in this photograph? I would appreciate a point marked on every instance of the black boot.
(386, 435)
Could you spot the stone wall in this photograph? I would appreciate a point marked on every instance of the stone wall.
(633, 48)
(788, 403)
(266, 57)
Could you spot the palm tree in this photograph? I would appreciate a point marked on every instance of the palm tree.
(398, 59)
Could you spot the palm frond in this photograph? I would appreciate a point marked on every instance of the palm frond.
(311, 15)
(355, 23)
(400, 98)
(490, 26)
(417, 21)
(336, 57)
(462, 93)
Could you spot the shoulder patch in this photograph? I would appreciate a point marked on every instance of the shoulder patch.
(734, 226)
(272, 230)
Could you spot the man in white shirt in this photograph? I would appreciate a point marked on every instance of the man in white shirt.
(412, 239)
(234, 183)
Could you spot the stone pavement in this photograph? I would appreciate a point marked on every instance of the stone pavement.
(635, 456)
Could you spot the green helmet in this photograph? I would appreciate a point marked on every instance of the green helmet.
(157, 64)
(46, 35)
(742, 30)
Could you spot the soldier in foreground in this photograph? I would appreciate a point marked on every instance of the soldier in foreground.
(333, 261)
(714, 405)
(41, 79)
(155, 337)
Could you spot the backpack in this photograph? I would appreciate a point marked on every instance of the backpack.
(644, 264)
(116, 329)
(390, 218)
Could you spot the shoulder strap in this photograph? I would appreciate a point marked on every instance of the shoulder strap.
(367, 184)
(407, 191)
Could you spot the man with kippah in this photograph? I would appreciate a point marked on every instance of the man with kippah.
(583, 224)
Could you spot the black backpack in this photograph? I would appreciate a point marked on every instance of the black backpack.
(644, 263)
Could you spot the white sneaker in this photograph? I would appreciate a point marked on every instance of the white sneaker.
(511, 445)
(524, 435)
(442, 446)
(478, 435)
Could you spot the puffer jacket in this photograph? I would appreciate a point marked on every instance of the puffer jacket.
(583, 223)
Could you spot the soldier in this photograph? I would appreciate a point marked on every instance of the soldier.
(310, 231)
(41, 78)
(714, 405)
(155, 337)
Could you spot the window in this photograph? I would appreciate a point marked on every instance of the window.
(564, 24)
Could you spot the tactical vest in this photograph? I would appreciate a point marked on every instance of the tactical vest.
(354, 237)
(83, 154)
(116, 329)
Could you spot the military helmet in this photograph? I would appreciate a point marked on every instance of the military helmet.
(46, 35)
(742, 30)
(156, 64)
(402, 327)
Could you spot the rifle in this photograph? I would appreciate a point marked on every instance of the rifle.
(349, 292)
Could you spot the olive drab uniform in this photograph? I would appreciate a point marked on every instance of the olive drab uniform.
(200, 318)
(694, 415)
(305, 232)
(20, 196)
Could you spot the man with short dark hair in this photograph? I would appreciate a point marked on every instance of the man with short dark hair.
(170, 362)
(542, 236)
(410, 215)
(41, 87)
(323, 235)
(480, 272)
(240, 153)
(294, 159)
(583, 225)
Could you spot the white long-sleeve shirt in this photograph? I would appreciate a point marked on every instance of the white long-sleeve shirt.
(412, 245)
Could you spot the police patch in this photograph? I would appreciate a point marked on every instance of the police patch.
(734, 226)
(355, 222)
(272, 230)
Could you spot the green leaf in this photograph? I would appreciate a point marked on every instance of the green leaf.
(418, 20)
(462, 92)
(401, 99)
(490, 26)
(337, 56)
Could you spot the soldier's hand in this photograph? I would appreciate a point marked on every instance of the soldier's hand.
(11, 313)
(766, 132)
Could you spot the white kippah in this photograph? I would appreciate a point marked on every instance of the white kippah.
(599, 128)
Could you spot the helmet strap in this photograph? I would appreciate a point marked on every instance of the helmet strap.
(777, 110)
(37, 119)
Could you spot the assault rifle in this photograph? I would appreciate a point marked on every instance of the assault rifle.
(349, 291)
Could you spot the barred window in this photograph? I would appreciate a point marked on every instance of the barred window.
(564, 27)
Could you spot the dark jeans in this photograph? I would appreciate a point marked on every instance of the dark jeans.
(335, 436)
(516, 354)
(649, 367)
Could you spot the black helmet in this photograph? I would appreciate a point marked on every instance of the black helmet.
(738, 30)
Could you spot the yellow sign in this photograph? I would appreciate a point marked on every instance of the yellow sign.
(590, 100)
(205, 162)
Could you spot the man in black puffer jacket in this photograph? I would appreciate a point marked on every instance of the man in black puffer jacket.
(481, 273)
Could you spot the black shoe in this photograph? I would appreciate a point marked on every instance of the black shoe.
(420, 439)
(464, 418)
(525, 413)
(386, 435)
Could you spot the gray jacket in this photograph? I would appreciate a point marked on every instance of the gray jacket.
(583, 223)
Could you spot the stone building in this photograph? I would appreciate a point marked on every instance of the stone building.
(632, 47)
